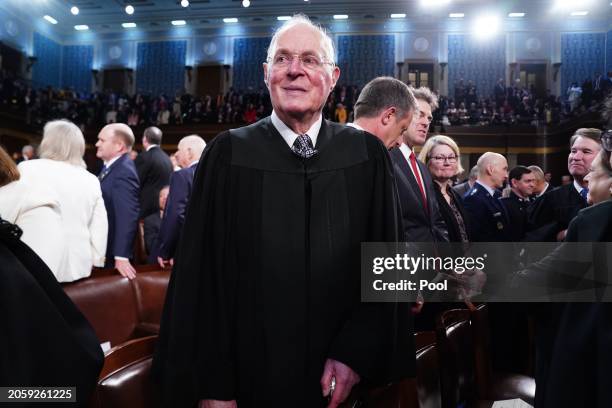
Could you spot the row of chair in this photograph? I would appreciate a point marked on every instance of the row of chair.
(453, 363)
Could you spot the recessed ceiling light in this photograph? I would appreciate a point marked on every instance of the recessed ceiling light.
(456, 15)
(178, 22)
(81, 27)
(516, 15)
(184, 3)
(398, 15)
(486, 26)
(340, 16)
(128, 25)
(579, 13)
(283, 18)
(50, 19)
(230, 20)
(434, 3)
(246, 3)
(129, 9)
(74, 10)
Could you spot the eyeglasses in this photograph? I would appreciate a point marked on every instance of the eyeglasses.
(606, 140)
(309, 61)
(441, 159)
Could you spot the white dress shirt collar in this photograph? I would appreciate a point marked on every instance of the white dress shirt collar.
(111, 161)
(151, 146)
(354, 125)
(290, 136)
(578, 187)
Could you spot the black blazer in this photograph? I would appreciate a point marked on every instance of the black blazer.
(449, 217)
(154, 170)
(552, 212)
(419, 225)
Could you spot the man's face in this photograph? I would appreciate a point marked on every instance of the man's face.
(108, 146)
(600, 183)
(525, 185)
(183, 157)
(581, 156)
(416, 133)
(296, 90)
(395, 128)
(499, 172)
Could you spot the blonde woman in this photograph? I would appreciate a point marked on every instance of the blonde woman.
(442, 157)
(61, 168)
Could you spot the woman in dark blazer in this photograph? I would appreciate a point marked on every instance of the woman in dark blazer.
(441, 155)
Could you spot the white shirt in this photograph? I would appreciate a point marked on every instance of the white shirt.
(151, 146)
(578, 187)
(543, 190)
(407, 151)
(111, 161)
(490, 190)
(354, 125)
(290, 136)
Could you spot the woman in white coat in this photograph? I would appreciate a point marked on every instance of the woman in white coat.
(84, 223)
(36, 212)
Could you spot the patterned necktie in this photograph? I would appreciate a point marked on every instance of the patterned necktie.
(303, 147)
(103, 173)
(584, 192)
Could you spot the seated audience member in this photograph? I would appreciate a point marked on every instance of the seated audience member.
(152, 222)
(45, 341)
(190, 149)
(36, 212)
(61, 168)
(441, 155)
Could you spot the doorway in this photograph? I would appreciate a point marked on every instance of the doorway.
(420, 74)
(209, 80)
(533, 77)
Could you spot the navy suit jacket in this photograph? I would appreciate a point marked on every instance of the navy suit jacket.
(487, 215)
(181, 183)
(120, 191)
(420, 225)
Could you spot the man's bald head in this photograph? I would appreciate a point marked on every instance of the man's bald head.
(190, 150)
(492, 169)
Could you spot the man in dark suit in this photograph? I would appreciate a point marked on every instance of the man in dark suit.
(488, 217)
(385, 108)
(463, 188)
(522, 182)
(190, 149)
(541, 185)
(120, 191)
(152, 224)
(154, 169)
(420, 212)
(550, 215)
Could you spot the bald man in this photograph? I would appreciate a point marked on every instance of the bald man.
(121, 194)
(487, 215)
(190, 149)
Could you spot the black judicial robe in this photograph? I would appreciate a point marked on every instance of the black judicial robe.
(45, 341)
(267, 280)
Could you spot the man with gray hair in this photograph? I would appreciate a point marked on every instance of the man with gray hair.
(120, 191)
(190, 148)
(384, 108)
(263, 308)
(541, 185)
(463, 188)
(154, 170)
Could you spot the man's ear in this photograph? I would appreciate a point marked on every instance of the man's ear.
(387, 114)
(335, 77)
(265, 70)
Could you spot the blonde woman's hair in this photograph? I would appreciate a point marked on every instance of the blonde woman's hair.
(63, 141)
(8, 168)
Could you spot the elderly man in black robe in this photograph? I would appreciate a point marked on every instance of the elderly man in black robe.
(263, 308)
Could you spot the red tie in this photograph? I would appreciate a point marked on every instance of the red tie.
(415, 170)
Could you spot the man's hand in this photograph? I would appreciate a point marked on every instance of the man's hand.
(345, 377)
(217, 404)
(163, 262)
(125, 268)
(561, 235)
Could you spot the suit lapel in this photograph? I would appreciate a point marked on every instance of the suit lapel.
(407, 177)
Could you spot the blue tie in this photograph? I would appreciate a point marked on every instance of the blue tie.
(303, 147)
(584, 193)
(103, 172)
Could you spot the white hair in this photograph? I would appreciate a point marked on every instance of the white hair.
(63, 141)
(327, 45)
(195, 144)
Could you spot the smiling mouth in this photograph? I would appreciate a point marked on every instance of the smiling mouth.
(294, 89)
